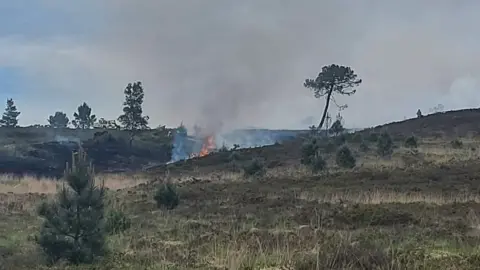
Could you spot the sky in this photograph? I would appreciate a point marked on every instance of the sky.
(228, 63)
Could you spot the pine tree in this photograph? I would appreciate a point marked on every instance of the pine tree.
(73, 227)
(132, 118)
(9, 118)
(345, 158)
(333, 79)
(58, 120)
(384, 144)
(83, 117)
(419, 114)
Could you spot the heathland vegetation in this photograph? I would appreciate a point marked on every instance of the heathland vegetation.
(398, 196)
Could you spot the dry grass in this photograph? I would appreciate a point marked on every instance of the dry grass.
(198, 236)
(29, 184)
(380, 196)
(377, 216)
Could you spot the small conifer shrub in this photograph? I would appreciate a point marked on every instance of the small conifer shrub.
(311, 156)
(73, 227)
(167, 196)
(254, 168)
(411, 142)
(384, 144)
(345, 158)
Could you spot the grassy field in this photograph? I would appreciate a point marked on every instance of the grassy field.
(413, 211)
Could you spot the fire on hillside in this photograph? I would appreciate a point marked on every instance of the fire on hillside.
(200, 145)
(208, 147)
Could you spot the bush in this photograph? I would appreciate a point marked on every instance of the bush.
(117, 222)
(456, 144)
(309, 150)
(254, 168)
(311, 154)
(318, 164)
(411, 142)
(384, 145)
(167, 196)
(345, 158)
(73, 223)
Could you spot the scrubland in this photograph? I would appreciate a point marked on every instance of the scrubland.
(416, 210)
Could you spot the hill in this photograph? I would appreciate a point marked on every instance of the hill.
(459, 123)
(445, 126)
(45, 151)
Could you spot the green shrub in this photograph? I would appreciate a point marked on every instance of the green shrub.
(318, 164)
(345, 158)
(254, 168)
(456, 144)
(384, 144)
(309, 150)
(311, 156)
(411, 142)
(73, 224)
(167, 196)
(117, 222)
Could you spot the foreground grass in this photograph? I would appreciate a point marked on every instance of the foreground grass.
(30, 184)
(274, 223)
(381, 215)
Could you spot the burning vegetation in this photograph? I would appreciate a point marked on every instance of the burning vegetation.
(208, 146)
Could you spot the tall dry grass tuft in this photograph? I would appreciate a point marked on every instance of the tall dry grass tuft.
(379, 196)
(30, 184)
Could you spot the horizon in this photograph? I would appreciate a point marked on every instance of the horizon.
(238, 63)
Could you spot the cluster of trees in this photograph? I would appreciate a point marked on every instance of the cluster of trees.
(131, 119)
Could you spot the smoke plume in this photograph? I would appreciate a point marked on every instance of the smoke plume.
(227, 64)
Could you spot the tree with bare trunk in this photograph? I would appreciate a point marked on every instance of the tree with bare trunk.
(132, 118)
(333, 79)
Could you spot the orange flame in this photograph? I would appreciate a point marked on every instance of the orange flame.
(208, 146)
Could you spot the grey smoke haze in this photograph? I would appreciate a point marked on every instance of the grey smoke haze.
(243, 63)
